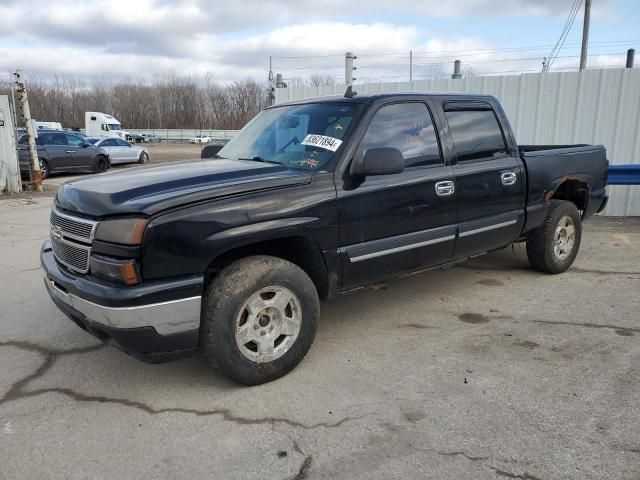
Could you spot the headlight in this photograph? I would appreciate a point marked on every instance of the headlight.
(128, 231)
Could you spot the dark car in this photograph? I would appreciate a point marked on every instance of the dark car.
(310, 200)
(60, 151)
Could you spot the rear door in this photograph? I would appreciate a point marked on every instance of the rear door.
(112, 149)
(489, 178)
(59, 154)
(399, 222)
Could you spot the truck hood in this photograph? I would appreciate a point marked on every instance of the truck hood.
(149, 190)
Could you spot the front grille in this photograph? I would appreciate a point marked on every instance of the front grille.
(73, 227)
(71, 254)
(71, 240)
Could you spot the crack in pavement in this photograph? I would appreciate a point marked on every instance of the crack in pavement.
(590, 325)
(16, 392)
(303, 472)
(462, 454)
(523, 476)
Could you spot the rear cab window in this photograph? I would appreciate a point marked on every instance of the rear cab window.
(476, 133)
(407, 127)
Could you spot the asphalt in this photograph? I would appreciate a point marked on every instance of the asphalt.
(487, 370)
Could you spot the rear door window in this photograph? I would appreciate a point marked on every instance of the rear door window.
(476, 134)
(406, 127)
(52, 139)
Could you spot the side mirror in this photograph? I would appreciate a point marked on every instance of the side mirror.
(378, 161)
(86, 145)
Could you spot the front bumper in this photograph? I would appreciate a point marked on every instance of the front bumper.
(157, 321)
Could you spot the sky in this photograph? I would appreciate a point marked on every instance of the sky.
(233, 39)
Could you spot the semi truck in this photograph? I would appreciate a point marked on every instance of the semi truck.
(99, 124)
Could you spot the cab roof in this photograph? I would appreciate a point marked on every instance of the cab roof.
(370, 97)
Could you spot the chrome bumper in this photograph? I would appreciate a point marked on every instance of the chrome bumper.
(165, 318)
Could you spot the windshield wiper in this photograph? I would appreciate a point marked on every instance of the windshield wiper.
(259, 159)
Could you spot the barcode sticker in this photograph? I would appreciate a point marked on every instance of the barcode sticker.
(328, 143)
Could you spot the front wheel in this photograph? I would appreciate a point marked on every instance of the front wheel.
(144, 158)
(552, 247)
(260, 316)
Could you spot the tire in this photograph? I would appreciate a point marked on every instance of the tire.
(227, 321)
(100, 165)
(44, 169)
(552, 247)
(144, 158)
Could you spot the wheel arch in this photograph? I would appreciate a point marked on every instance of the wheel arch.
(572, 189)
(298, 249)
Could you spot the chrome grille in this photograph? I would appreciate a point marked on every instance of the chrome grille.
(71, 239)
(71, 254)
(73, 227)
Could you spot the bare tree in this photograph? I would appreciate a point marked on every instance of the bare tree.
(169, 101)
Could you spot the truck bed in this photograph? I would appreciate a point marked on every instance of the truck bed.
(548, 166)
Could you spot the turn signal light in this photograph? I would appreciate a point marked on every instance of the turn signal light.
(115, 270)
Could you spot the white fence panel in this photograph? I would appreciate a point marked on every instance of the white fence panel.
(599, 106)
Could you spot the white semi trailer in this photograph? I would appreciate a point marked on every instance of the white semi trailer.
(99, 124)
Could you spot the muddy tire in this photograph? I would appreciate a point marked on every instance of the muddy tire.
(100, 164)
(552, 247)
(259, 319)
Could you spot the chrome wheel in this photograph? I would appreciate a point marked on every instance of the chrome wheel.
(564, 238)
(268, 324)
(44, 170)
(144, 158)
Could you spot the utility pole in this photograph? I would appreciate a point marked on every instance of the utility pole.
(410, 65)
(25, 118)
(585, 34)
(349, 57)
(457, 67)
(271, 95)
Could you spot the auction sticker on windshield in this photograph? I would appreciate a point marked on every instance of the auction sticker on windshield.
(328, 143)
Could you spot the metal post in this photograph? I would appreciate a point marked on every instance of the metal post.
(25, 117)
(585, 34)
(631, 53)
(348, 69)
(271, 96)
(457, 65)
(410, 65)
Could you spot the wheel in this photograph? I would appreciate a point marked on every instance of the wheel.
(144, 158)
(100, 165)
(553, 246)
(259, 319)
(44, 169)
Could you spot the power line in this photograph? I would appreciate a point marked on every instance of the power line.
(563, 36)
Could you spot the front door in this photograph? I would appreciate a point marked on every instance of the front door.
(80, 156)
(489, 177)
(399, 222)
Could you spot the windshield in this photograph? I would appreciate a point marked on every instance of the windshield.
(115, 126)
(297, 136)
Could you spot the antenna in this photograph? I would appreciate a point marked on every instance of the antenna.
(350, 93)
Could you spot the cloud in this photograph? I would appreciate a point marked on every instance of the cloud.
(233, 40)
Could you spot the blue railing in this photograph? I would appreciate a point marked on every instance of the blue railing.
(624, 175)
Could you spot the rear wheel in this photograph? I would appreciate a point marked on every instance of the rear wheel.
(260, 316)
(44, 169)
(552, 247)
(100, 165)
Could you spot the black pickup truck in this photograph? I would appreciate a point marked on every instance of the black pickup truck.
(311, 199)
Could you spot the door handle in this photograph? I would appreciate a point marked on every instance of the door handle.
(69, 151)
(445, 189)
(508, 178)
